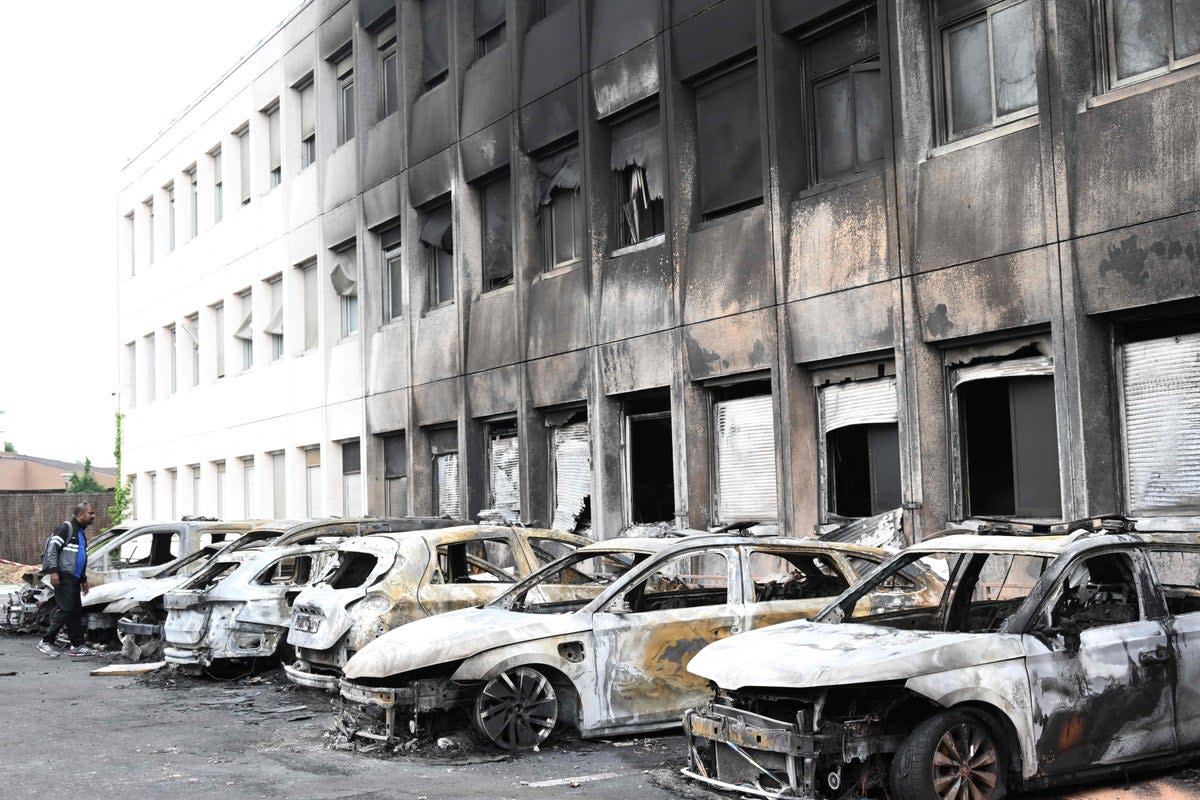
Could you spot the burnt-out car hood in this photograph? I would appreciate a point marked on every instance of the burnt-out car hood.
(802, 654)
(454, 636)
(120, 596)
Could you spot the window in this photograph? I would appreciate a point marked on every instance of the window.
(744, 455)
(308, 123)
(437, 236)
(560, 218)
(149, 204)
(195, 470)
(859, 446)
(345, 99)
(274, 327)
(312, 482)
(689, 580)
(845, 95)
(131, 237)
(222, 488)
(289, 571)
(649, 461)
(151, 549)
(173, 478)
(571, 454)
(344, 278)
(989, 67)
(245, 329)
(218, 187)
(249, 506)
(194, 208)
(489, 26)
(728, 144)
(219, 337)
(389, 71)
(351, 479)
(191, 326)
(640, 174)
(131, 372)
(395, 474)
(170, 189)
(1003, 421)
(151, 376)
(504, 471)
(497, 233)
(1178, 572)
(1096, 591)
(278, 486)
(1160, 405)
(476, 561)
(274, 158)
(308, 272)
(1144, 38)
(783, 575)
(544, 8)
(393, 276)
(443, 445)
(435, 43)
(172, 363)
(243, 137)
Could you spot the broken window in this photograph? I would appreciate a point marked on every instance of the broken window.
(689, 580)
(477, 561)
(211, 575)
(1144, 38)
(1160, 392)
(350, 569)
(289, 571)
(989, 65)
(560, 208)
(640, 173)
(443, 445)
(572, 470)
(435, 43)
(344, 278)
(744, 457)
(489, 26)
(146, 550)
(649, 459)
(395, 474)
(437, 237)
(1178, 572)
(1007, 438)
(860, 447)
(494, 199)
(728, 141)
(351, 479)
(794, 576)
(1096, 591)
(504, 471)
(846, 96)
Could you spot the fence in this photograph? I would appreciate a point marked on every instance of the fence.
(26, 519)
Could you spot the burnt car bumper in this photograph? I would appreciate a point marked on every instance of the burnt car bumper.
(380, 712)
(740, 751)
(302, 674)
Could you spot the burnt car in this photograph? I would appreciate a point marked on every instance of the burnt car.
(1053, 654)
(280, 533)
(377, 583)
(598, 641)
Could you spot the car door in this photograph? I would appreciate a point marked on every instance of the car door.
(645, 636)
(138, 554)
(1100, 668)
(1177, 569)
(468, 570)
(786, 583)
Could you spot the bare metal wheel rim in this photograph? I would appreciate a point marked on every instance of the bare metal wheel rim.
(517, 709)
(966, 764)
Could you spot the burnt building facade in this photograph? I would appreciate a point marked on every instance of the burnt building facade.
(626, 261)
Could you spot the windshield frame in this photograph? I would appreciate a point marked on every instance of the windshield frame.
(506, 600)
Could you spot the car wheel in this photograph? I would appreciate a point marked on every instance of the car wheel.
(950, 756)
(517, 709)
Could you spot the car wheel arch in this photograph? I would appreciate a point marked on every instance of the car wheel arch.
(481, 668)
(1001, 715)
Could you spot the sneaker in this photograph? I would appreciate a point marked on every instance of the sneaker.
(81, 650)
(47, 649)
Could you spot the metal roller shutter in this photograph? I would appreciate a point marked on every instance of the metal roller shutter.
(858, 403)
(745, 454)
(572, 474)
(505, 475)
(446, 472)
(1161, 387)
(397, 497)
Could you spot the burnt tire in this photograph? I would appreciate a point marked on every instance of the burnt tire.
(517, 709)
(953, 755)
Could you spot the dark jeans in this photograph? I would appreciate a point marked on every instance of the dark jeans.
(69, 611)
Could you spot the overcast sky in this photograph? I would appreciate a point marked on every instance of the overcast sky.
(81, 93)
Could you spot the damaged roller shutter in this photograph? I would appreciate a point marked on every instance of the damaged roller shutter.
(443, 443)
(859, 448)
(504, 472)
(1161, 394)
(572, 477)
(395, 474)
(745, 456)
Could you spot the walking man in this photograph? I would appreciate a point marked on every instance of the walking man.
(65, 559)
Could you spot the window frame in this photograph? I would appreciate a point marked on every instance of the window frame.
(704, 83)
(345, 106)
(389, 50)
(393, 255)
(1106, 40)
(491, 40)
(485, 187)
(548, 230)
(432, 254)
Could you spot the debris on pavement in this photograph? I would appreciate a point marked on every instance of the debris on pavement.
(126, 670)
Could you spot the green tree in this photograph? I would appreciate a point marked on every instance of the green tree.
(123, 492)
(85, 483)
(8, 447)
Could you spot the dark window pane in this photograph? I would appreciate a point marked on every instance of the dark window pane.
(853, 41)
(489, 41)
(968, 76)
(395, 456)
(987, 462)
(1141, 30)
(562, 205)
(390, 97)
(435, 51)
(351, 458)
(835, 118)
(444, 268)
(728, 141)
(395, 272)
(1187, 28)
(869, 113)
(1035, 447)
(497, 239)
(1013, 57)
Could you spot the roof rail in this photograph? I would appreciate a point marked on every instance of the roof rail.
(1115, 523)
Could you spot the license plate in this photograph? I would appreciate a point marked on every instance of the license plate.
(306, 623)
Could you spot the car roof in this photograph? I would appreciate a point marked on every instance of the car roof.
(642, 544)
(466, 531)
(1051, 545)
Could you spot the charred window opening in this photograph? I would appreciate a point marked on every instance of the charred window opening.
(1143, 39)
(586, 574)
(489, 26)
(639, 172)
(437, 238)
(860, 447)
(146, 550)
(744, 453)
(478, 561)
(1009, 446)
(494, 214)
(728, 141)
(1178, 572)
(443, 446)
(560, 208)
(395, 474)
(290, 571)
(846, 99)
(351, 479)
(435, 43)
(1095, 592)
(690, 580)
(353, 570)
(649, 459)
(504, 471)
(211, 575)
(795, 576)
(571, 459)
(989, 66)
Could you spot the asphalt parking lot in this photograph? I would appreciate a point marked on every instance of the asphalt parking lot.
(66, 733)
